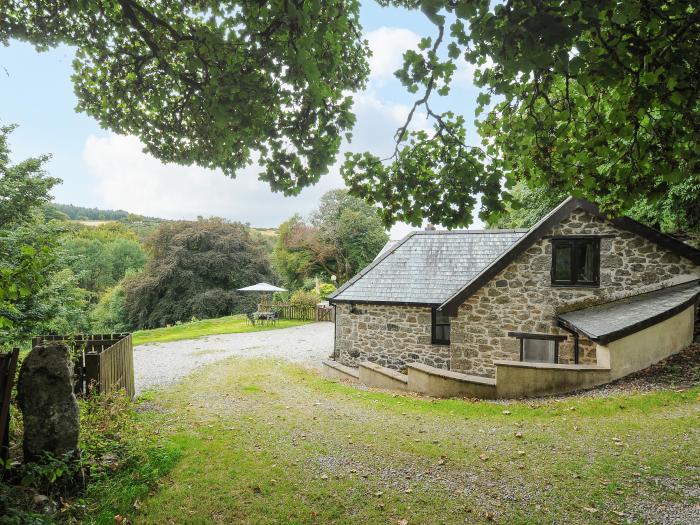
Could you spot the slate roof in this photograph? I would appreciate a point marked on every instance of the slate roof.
(614, 320)
(426, 267)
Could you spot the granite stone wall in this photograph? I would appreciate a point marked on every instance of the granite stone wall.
(389, 335)
(521, 298)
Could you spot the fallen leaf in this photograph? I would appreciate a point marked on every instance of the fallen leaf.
(119, 519)
(592, 510)
(518, 434)
(403, 521)
(506, 412)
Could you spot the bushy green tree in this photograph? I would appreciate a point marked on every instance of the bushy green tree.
(194, 270)
(26, 243)
(342, 236)
(597, 99)
(212, 82)
(101, 256)
(109, 315)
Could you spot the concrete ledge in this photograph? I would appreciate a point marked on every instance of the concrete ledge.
(517, 379)
(445, 383)
(372, 374)
(552, 366)
(334, 370)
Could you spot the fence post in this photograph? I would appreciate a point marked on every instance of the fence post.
(8, 365)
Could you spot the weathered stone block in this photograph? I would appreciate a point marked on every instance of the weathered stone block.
(49, 408)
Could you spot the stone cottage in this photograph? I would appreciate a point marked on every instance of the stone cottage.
(562, 295)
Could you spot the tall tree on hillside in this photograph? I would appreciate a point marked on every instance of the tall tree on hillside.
(597, 99)
(26, 244)
(343, 236)
(194, 270)
(213, 82)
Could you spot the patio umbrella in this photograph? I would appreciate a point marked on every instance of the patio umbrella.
(263, 288)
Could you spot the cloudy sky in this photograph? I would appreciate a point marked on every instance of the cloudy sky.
(105, 170)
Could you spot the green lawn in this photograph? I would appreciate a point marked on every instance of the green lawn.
(254, 441)
(223, 325)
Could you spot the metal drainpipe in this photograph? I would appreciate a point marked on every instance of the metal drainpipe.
(335, 333)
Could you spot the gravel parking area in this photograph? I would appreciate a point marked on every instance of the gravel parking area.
(159, 364)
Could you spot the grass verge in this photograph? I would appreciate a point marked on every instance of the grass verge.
(223, 325)
(262, 441)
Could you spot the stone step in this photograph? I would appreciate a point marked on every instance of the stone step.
(335, 370)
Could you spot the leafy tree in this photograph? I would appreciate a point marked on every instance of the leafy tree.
(60, 307)
(672, 213)
(109, 315)
(217, 83)
(343, 235)
(595, 99)
(194, 270)
(101, 256)
(296, 251)
(26, 244)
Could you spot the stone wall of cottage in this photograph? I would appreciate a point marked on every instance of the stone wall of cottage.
(389, 335)
(521, 299)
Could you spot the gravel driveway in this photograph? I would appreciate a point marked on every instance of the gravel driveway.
(159, 364)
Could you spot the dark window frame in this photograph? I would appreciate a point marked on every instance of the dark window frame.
(521, 336)
(433, 329)
(572, 241)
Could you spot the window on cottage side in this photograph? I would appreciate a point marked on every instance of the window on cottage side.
(538, 350)
(576, 262)
(440, 328)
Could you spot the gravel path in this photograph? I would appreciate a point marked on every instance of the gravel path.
(159, 364)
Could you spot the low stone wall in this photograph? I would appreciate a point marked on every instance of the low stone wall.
(389, 335)
(334, 370)
(515, 379)
(374, 375)
(444, 383)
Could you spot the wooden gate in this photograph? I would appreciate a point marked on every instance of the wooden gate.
(104, 363)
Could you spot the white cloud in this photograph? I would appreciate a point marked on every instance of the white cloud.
(129, 179)
(388, 45)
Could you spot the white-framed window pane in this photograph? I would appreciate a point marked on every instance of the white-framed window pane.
(538, 350)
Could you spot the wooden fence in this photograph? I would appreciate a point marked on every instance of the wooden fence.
(8, 365)
(104, 363)
(304, 313)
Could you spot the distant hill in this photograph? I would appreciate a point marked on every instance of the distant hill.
(142, 225)
(80, 213)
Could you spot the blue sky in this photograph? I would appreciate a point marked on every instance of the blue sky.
(101, 169)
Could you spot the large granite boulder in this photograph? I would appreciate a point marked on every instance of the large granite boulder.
(47, 402)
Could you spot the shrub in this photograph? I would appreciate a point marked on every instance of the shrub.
(304, 298)
(326, 290)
